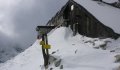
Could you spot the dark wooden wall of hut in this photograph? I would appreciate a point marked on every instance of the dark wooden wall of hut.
(86, 24)
(81, 21)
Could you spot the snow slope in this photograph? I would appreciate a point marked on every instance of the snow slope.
(106, 14)
(76, 54)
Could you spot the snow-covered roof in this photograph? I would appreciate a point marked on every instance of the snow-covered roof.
(110, 1)
(108, 15)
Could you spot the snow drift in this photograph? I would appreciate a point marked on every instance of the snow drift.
(76, 53)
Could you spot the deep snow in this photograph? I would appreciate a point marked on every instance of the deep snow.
(77, 53)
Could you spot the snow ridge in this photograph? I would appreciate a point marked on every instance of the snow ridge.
(76, 53)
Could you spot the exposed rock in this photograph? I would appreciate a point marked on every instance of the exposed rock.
(75, 51)
(53, 52)
(117, 58)
(61, 67)
(103, 46)
(57, 63)
(51, 68)
(96, 47)
(52, 59)
(112, 51)
(88, 42)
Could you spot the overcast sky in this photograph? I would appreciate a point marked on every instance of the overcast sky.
(19, 18)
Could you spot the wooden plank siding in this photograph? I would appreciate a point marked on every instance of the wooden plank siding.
(83, 21)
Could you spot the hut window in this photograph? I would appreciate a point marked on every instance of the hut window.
(72, 7)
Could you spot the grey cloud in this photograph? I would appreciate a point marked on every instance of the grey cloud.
(25, 15)
(26, 20)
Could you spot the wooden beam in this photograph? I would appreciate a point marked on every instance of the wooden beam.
(44, 27)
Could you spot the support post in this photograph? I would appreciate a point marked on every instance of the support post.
(47, 51)
(42, 32)
(43, 50)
